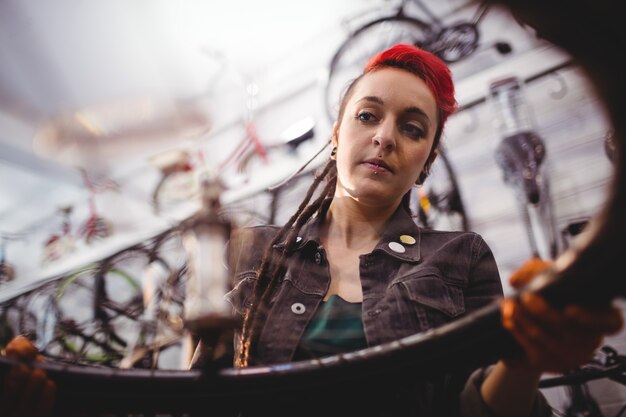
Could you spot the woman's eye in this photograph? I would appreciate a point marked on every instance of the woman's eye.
(413, 130)
(365, 116)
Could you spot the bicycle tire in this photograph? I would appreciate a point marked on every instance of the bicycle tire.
(473, 341)
(342, 69)
(95, 335)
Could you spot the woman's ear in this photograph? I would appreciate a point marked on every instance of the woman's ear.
(426, 170)
(333, 139)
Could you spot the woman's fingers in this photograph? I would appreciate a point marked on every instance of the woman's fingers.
(606, 321)
(26, 390)
(541, 351)
(33, 390)
(22, 349)
(573, 321)
(529, 270)
(555, 340)
(46, 403)
(14, 383)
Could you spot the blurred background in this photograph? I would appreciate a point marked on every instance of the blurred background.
(111, 113)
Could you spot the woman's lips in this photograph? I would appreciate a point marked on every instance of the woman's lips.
(377, 166)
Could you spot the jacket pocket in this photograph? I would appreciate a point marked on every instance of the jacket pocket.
(432, 300)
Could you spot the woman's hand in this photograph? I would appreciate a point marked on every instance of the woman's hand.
(26, 390)
(554, 340)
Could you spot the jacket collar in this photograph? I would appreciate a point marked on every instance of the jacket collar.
(400, 240)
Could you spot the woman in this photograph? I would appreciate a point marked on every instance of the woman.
(352, 269)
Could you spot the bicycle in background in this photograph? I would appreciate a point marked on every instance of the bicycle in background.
(451, 42)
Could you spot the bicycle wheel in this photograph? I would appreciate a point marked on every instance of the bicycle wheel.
(279, 389)
(92, 326)
(375, 36)
(97, 316)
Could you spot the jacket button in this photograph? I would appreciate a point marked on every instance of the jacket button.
(318, 258)
(298, 308)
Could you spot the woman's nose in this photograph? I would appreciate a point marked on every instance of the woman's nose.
(385, 140)
(384, 136)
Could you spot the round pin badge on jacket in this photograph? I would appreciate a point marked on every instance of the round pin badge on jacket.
(396, 247)
(407, 240)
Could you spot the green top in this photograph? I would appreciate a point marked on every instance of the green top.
(335, 328)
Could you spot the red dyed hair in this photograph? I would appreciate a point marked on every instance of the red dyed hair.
(425, 65)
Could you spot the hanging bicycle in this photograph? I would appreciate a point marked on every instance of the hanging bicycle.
(451, 42)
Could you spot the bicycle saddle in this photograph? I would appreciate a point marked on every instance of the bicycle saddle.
(520, 157)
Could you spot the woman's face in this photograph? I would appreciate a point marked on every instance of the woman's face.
(384, 137)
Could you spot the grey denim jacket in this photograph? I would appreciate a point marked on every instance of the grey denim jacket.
(414, 280)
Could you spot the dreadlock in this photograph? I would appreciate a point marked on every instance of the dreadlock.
(272, 267)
